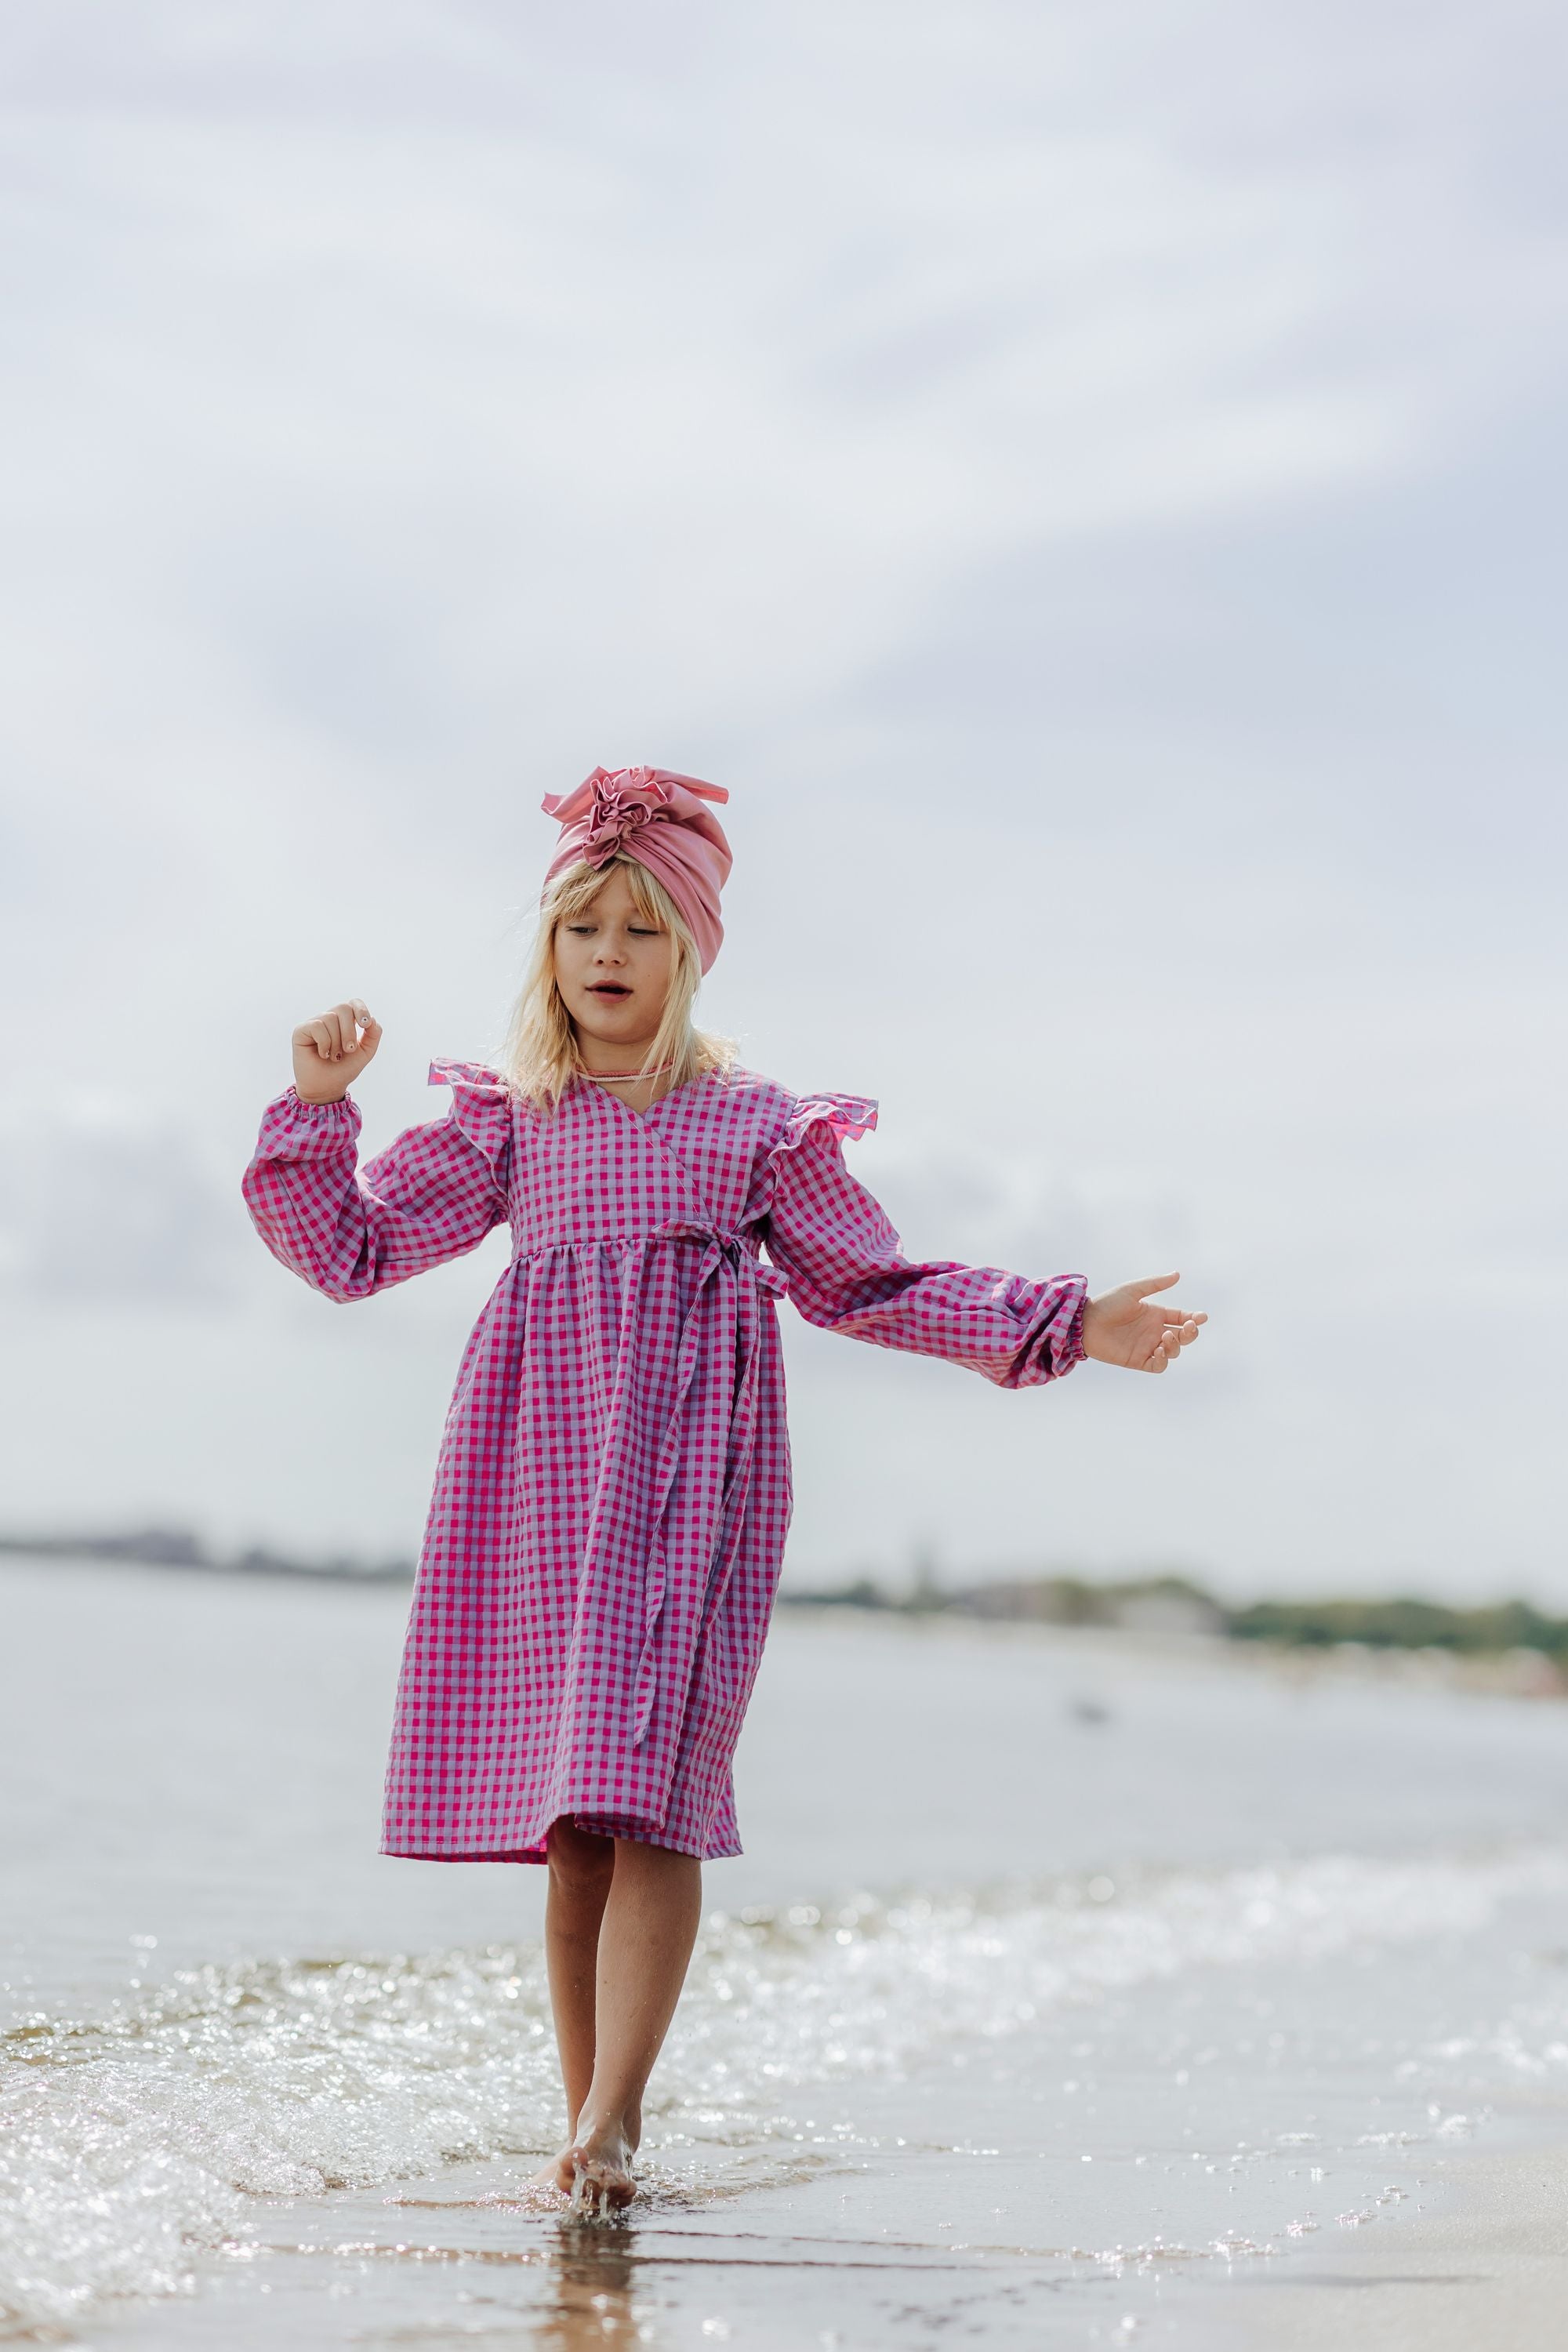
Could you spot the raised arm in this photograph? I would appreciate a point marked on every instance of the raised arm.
(847, 1271)
(431, 1195)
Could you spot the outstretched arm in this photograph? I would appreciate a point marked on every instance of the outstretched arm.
(847, 1272)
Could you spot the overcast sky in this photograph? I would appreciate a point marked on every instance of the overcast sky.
(1089, 478)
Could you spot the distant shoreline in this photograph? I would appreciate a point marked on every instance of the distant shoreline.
(1534, 1643)
(174, 1548)
(1507, 1645)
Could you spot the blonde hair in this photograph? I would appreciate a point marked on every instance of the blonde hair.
(540, 1058)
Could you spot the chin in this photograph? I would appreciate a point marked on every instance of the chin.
(604, 1033)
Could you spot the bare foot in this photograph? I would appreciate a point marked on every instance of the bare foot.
(599, 2163)
(557, 2174)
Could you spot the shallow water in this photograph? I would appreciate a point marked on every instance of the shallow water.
(1059, 1975)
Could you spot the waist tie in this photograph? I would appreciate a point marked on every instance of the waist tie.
(726, 1258)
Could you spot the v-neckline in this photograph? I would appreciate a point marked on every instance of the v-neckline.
(642, 1117)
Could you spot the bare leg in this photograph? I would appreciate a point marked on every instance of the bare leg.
(581, 1867)
(646, 1937)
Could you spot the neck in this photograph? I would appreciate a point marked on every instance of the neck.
(598, 1058)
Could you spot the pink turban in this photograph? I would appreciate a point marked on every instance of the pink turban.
(656, 817)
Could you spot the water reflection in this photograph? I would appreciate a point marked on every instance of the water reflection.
(593, 2300)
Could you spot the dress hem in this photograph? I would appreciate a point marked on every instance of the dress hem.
(594, 1826)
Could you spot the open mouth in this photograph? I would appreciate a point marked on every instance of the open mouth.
(607, 988)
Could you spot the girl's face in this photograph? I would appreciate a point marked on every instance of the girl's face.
(613, 967)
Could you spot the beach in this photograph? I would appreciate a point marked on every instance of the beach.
(1482, 2265)
(1073, 1989)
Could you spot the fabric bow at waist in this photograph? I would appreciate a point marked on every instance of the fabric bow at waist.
(769, 1280)
(735, 1247)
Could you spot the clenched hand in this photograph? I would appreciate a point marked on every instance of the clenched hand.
(331, 1051)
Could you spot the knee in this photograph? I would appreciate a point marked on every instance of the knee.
(580, 1863)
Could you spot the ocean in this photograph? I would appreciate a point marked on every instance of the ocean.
(1069, 1985)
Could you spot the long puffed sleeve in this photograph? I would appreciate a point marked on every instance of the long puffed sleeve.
(847, 1272)
(431, 1195)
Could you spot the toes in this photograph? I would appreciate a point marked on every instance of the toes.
(557, 2175)
(600, 2184)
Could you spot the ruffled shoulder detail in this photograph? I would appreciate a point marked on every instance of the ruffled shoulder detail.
(847, 1116)
(444, 1072)
(481, 1109)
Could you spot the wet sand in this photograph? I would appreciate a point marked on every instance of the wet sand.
(781, 2256)
(1483, 2262)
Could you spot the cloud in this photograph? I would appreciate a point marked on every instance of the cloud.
(520, 352)
(94, 1216)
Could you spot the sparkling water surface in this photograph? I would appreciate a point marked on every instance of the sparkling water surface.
(1062, 1976)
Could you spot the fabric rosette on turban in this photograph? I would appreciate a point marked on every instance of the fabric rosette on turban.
(661, 820)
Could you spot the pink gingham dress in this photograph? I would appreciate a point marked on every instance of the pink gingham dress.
(613, 1491)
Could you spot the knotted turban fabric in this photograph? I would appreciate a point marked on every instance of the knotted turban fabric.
(663, 822)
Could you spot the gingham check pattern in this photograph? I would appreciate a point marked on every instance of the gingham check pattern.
(613, 1491)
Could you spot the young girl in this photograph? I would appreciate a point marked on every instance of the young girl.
(614, 1484)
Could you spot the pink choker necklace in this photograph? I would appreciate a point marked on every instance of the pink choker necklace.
(623, 1077)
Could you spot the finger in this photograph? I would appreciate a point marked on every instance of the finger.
(360, 1011)
(1157, 1362)
(342, 1019)
(370, 1038)
(1155, 1282)
(1182, 1315)
(321, 1038)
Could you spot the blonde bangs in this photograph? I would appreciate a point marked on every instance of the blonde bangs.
(540, 1060)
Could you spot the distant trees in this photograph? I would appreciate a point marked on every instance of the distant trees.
(1401, 1625)
(1175, 1604)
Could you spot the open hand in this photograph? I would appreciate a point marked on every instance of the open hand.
(1126, 1328)
(331, 1051)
